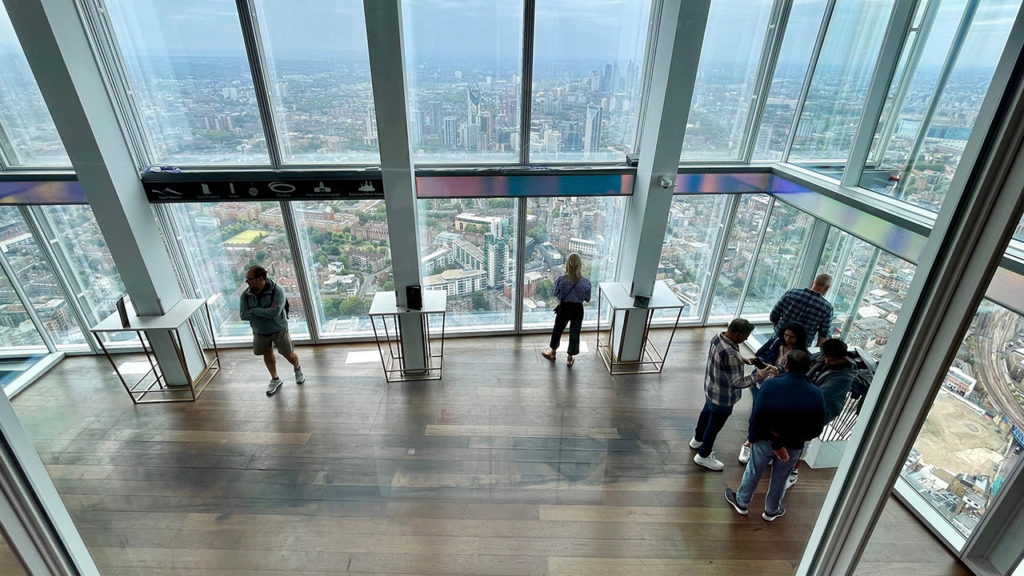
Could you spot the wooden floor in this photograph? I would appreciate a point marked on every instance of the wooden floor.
(509, 466)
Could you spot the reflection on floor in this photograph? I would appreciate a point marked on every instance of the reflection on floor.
(11, 368)
(511, 465)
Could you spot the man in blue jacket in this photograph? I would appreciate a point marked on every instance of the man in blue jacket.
(263, 305)
(789, 411)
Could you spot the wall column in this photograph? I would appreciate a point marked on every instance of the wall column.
(387, 73)
(677, 54)
(58, 50)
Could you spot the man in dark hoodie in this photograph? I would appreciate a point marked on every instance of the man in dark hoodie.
(789, 411)
(263, 305)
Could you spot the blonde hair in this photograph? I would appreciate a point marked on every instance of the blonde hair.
(574, 267)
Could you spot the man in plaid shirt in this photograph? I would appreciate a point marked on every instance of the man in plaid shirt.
(723, 385)
(807, 307)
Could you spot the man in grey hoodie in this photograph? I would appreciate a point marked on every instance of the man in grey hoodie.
(263, 305)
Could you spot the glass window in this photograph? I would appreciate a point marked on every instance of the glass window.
(739, 253)
(190, 78)
(464, 60)
(587, 73)
(840, 82)
(843, 259)
(778, 260)
(348, 260)
(221, 240)
(319, 76)
(468, 249)
(729, 62)
(94, 277)
(44, 292)
(790, 71)
(27, 134)
(18, 334)
(966, 448)
(883, 298)
(557, 227)
(918, 158)
(692, 235)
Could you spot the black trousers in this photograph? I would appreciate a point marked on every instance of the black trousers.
(709, 424)
(570, 313)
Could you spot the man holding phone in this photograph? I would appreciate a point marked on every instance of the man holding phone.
(723, 385)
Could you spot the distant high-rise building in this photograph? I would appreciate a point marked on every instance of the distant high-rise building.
(436, 119)
(451, 131)
(473, 104)
(416, 122)
(592, 133)
(552, 138)
(764, 140)
(631, 76)
(495, 260)
(371, 126)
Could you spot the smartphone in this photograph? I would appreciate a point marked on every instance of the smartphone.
(758, 363)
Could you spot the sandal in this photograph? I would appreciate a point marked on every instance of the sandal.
(569, 361)
(549, 354)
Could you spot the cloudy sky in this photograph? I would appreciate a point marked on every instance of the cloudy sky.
(590, 30)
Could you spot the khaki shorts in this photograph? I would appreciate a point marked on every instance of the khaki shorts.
(263, 343)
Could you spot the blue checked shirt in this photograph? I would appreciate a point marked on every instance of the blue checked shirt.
(805, 307)
(724, 379)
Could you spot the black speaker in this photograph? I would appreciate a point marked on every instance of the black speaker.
(414, 297)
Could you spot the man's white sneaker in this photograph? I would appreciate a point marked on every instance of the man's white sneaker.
(299, 376)
(695, 444)
(793, 477)
(273, 386)
(711, 463)
(744, 454)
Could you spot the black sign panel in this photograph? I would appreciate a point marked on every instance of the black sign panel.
(266, 190)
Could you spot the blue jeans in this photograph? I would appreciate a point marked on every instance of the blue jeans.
(709, 424)
(760, 454)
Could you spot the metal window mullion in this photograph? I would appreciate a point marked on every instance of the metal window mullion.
(188, 278)
(862, 290)
(724, 229)
(753, 258)
(814, 247)
(526, 81)
(906, 78)
(940, 86)
(842, 263)
(65, 263)
(765, 72)
(29, 307)
(258, 69)
(291, 225)
(44, 237)
(520, 263)
(647, 73)
(8, 151)
(100, 32)
(900, 20)
(819, 42)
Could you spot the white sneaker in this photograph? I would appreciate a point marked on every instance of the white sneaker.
(273, 386)
(793, 477)
(711, 463)
(744, 454)
(695, 444)
(299, 376)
